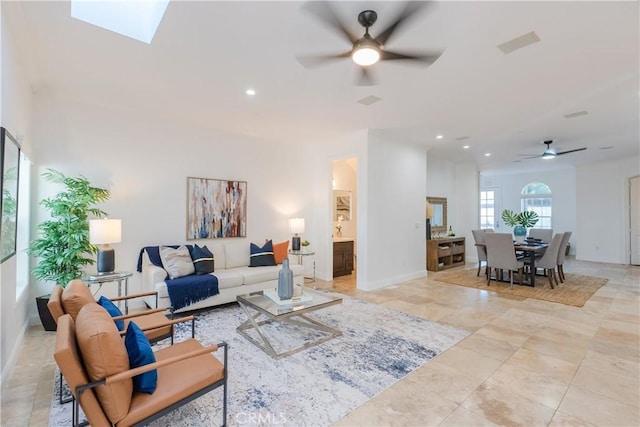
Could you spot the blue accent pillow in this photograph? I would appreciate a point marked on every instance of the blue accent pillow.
(112, 309)
(202, 259)
(261, 256)
(140, 354)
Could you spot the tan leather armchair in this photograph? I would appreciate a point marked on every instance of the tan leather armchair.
(76, 294)
(93, 359)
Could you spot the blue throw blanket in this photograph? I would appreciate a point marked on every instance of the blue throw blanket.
(186, 290)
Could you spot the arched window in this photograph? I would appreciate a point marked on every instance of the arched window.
(536, 196)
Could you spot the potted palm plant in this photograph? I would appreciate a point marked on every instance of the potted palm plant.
(63, 246)
(520, 222)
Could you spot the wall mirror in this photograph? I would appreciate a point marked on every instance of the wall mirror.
(437, 207)
(9, 168)
(341, 205)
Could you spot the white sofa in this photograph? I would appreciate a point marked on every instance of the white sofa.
(235, 277)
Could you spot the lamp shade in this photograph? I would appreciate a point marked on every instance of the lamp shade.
(105, 231)
(296, 225)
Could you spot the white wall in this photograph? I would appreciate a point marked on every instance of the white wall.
(145, 161)
(396, 200)
(602, 200)
(458, 182)
(15, 108)
(591, 201)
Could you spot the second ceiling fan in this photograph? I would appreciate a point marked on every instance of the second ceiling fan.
(550, 153)
(366, 50)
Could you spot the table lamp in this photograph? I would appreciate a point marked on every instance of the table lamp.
(102, 232)
(296, 227)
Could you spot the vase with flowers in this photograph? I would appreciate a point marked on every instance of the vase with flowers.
(520, 222)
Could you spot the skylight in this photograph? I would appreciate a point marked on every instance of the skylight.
(136, 19)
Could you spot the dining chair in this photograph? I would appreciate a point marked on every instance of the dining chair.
(562, 253)
(544, 234)
(549, 260)
(502, 256)
(478, 237)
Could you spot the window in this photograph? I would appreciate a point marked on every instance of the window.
(487, 208)
(536, 197)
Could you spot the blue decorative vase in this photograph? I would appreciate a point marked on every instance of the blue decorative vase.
(285, 281)
(519, 232)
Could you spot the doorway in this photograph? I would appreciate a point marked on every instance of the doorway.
(344, 217)
(490, 208)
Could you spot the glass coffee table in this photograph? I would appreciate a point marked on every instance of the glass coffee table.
(259, 306)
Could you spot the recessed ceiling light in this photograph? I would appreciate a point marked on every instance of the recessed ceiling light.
(487, 154)
(250, 92)
(439, 136)
(466, 147)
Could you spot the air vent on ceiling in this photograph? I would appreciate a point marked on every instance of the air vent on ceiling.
(576, 114)
(462, 138)
(608, 147)
(369, 100)
(519, 42)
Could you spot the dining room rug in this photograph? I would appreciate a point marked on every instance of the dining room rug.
(314, 387)
(575, 291)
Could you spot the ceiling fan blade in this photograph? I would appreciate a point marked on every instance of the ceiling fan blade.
(530, 157)
(324, 11)
(426, 58)
(316, 60)
(571, 151)
(410, 8)
(365, 78)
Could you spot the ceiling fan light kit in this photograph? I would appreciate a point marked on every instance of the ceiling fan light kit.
(366, 52)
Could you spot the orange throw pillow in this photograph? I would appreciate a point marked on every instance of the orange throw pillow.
(280, 251)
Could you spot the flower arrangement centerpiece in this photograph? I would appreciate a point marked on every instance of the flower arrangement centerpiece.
(520, 222)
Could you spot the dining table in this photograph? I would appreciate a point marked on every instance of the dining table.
(529, 251)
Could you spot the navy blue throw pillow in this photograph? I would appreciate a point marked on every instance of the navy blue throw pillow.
(140, 354)
(202, 260)
(262, 256)
(112, 309)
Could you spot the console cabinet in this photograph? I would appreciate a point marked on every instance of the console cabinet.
(342, 258)
(445, 253)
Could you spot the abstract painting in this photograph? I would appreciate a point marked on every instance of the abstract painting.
(216, 208)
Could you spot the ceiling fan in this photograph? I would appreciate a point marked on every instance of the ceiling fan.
(550, 153)
(366, 50)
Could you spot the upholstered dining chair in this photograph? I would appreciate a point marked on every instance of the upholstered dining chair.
(478, 237)
(502, 256)
(549, 260)
(562, 253)
(544, 234)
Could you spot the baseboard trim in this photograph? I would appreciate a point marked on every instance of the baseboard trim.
(396, 280)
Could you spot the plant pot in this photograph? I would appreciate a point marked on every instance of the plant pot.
(519, 232)
(45, 315)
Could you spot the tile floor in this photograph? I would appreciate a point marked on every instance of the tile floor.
(527, 362)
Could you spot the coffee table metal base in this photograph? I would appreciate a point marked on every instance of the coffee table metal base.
(294, 319)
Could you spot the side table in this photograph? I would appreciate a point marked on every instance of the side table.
(116, 276)
(301, 254)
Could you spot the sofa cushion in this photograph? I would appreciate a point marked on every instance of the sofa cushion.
(263, 274)
(230, 278)
(104, 354)
(203, 260)
(261, 256)
(112, 309)
(177, 262)
(280, 251)
(140, 354)
(237, 254)
(75, 296)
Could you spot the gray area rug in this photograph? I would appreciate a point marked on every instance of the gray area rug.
(314, 387)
